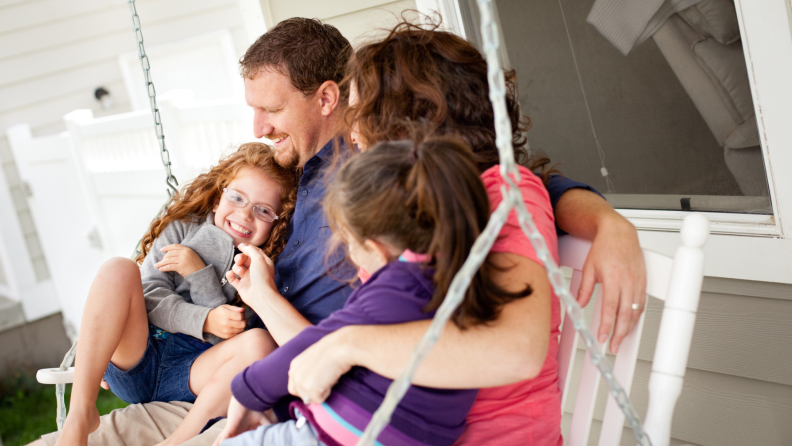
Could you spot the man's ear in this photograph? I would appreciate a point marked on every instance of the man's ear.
(329, 95)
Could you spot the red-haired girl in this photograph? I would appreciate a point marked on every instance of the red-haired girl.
(152, 331)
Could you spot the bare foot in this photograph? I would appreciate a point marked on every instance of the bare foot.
(79, 424)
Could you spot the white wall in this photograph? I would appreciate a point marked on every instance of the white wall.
(358, 20)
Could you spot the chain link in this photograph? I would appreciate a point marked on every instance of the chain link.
(170, 179)
(512, 199)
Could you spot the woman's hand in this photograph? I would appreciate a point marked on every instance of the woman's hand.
(225, 321)
(240, 419)
(616, 262)
(252, 272)
(180, 259)
(316, 370)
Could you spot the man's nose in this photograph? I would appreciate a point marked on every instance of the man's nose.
(261, 125)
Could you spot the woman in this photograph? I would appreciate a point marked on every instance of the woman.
(439, 80)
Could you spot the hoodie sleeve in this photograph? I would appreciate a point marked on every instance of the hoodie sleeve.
(166, 308)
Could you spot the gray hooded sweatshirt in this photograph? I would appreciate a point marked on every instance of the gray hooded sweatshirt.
(180, 304)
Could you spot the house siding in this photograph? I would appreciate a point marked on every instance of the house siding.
(738, 384)
(358, 20)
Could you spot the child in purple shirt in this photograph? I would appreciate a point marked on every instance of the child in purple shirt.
(428, 199)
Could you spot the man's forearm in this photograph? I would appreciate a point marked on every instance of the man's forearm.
(583, 214)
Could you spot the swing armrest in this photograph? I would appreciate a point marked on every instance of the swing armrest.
(55, 376)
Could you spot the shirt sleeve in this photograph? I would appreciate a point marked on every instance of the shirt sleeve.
(557, 185)
(166, 308)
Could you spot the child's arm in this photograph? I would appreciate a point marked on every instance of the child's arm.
(205, 288)
(166, 308)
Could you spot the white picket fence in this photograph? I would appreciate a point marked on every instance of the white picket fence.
(96, 187)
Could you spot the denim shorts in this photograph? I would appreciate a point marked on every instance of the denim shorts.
(163, 374)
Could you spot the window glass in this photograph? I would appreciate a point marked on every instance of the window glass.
(652, 109)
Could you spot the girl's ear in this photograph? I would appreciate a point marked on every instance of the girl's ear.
(383, 251)
(216, 205)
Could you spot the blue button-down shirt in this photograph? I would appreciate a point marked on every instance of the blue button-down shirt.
(301, 270)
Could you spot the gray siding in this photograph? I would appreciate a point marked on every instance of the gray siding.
(738, 385)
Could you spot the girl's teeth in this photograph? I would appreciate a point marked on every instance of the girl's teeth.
(236, 227)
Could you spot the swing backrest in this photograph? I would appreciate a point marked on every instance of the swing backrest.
(677, 281)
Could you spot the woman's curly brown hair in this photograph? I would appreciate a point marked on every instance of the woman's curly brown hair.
(435, 79)
(196, 199)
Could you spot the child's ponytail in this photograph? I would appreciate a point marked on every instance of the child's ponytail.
(427, 198)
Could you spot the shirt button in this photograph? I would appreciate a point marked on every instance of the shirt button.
(296, 242)
(285, 289)
(305, 192)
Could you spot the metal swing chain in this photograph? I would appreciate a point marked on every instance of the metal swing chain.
(512, 199)
(170, 181)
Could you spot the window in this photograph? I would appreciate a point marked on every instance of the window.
(669, 125)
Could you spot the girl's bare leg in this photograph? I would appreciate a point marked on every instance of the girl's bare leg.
(211, 375)
(114, 328)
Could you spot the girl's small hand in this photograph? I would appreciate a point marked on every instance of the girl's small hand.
(240, 419)
(253, 272)
(180, 259)
(225, 321)
(314, 372)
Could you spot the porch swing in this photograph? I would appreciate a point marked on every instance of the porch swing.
(677, 281)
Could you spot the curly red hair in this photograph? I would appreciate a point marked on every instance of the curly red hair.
(196, 199)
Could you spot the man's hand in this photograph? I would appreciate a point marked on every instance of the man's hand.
(616, 262)
(240, 419)
(252, 272)
(315, 371)
(225, 321)
(180, 259)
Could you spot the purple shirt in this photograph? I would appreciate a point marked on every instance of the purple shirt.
(396, 293)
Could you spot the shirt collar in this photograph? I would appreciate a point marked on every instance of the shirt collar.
(326, 155)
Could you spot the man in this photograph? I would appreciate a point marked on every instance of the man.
(292, 75)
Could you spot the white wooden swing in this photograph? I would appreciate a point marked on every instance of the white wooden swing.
(676, 281)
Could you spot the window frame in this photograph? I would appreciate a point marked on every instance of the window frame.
(765, 28)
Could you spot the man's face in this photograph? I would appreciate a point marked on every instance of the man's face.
(287, 117)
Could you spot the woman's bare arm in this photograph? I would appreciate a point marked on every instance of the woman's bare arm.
(511, 349)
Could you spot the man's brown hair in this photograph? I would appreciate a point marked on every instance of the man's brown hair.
(308, 51)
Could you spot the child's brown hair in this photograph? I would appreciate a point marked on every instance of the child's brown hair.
(427, 198)
(198, 197)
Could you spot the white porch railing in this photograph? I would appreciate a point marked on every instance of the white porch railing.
(96, 187)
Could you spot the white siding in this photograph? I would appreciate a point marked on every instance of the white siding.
(358, 20)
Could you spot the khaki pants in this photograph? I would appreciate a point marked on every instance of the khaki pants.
(144, 425)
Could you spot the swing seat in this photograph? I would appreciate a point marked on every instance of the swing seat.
(55, 376)
(676, 281)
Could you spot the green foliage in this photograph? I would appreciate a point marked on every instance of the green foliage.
(28, 409)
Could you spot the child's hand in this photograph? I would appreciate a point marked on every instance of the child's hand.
(225, 321)
(253, 272)
(240, 419)
(180, 259)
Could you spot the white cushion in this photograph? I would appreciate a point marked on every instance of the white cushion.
(746, 135)
(714, 18)
(725, 66)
